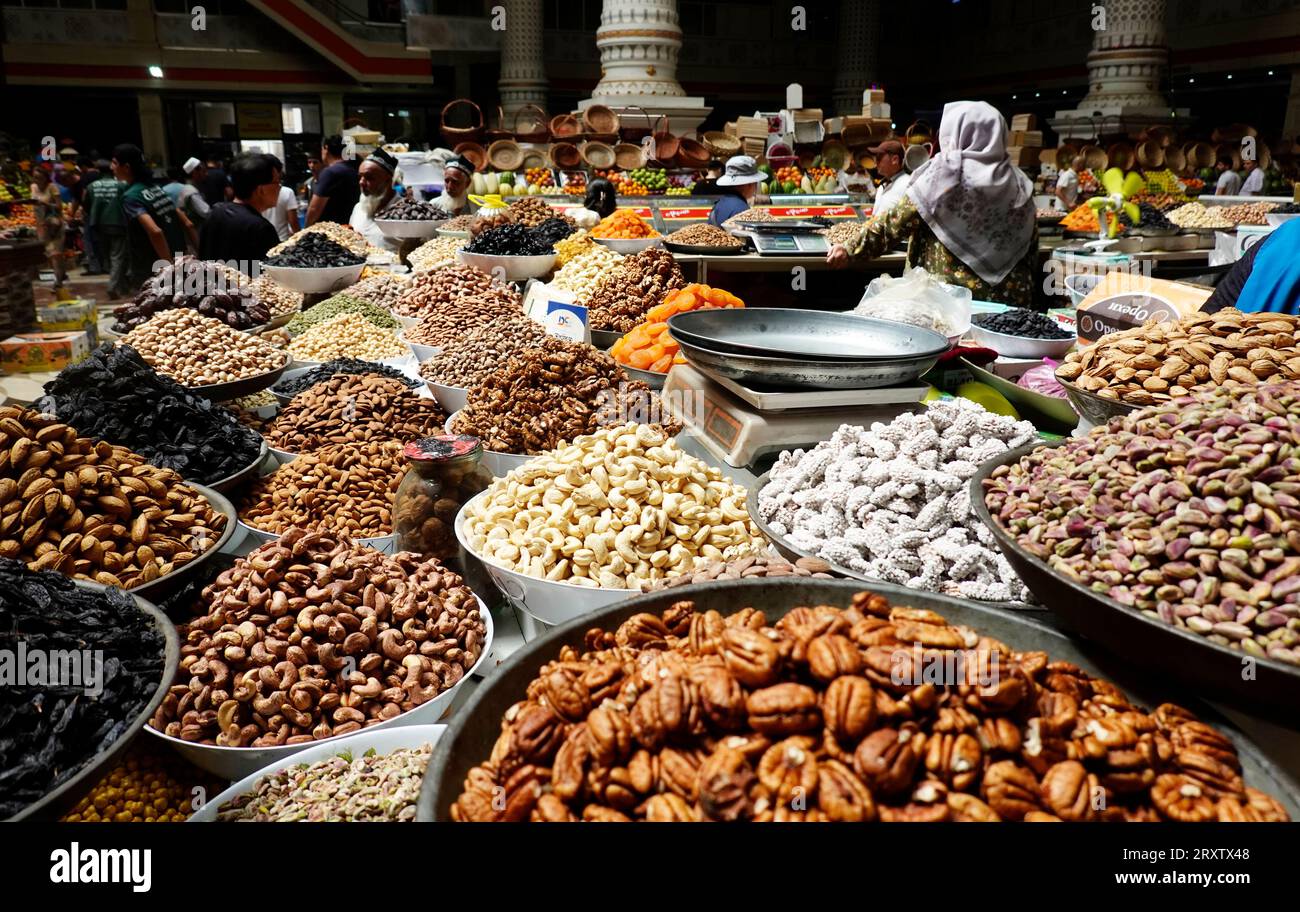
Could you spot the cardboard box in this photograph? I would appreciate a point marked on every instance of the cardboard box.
(1022, 157)
(1124, 300)
(873, 96)
(31, 352)
(1022, 122)
(880, 110)
(70, 316)
(1032, 138)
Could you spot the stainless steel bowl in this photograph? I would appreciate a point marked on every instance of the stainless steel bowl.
(800, 373)
(809, 335)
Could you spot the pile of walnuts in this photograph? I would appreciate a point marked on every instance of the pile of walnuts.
(830, 715)
(641, 282)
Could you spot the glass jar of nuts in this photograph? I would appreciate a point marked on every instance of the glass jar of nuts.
(445, 472)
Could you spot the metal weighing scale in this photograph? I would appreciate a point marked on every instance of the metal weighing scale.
(740, 424)
(787, 238)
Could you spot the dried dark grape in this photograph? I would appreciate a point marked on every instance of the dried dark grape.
(510, 240)
(314, 251)
(1027, 324)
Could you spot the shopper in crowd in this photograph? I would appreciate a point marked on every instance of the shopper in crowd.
(213, 184)
(156, 230)
(236, 233)
(1254, 184)
(968, 216)
(1266, 278)
(601, 197)
(375, 179)
(708, 185)
(1067, 184)
(191, 198)
(106, 222)
(1229, 180)
(738, 186)
(175, 184)
(284, 214)
(894, 179)
(314, 166)
(456, 176)
(87, 174)
(336, 191)
(50, 227)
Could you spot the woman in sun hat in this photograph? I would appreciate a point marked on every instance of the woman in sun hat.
(739, 186)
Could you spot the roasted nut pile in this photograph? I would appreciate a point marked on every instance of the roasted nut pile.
(381, 289)
(467, 361)
(541, 397)
(340, 304)
(92, 510)
(433, 290)
(448, 322)
(339, 366)
(459, 223)
(113, 395)
(278, 299)
(349, 335)
(843, 232)
(1197, 215)
(195, 350)
(690, 716)
(749, 215)
(893, 501)
(530, 212)
(704, 235)
(620, 301)
(435, 253)
(1247, 213)
(198, 285)
(370, 787)
(1187, 512)
(346, 489)
(612, 510)
(756, 565)
(583, 273)
(353, 409)
(1160, 361)
(313, 636)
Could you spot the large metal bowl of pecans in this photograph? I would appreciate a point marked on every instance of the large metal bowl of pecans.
(703, 730)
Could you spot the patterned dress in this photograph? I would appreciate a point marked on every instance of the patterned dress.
(924, 249)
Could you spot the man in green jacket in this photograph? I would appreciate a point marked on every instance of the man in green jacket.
(106, 221)
(155, 229)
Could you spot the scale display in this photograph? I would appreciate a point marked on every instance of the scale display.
(791, 244)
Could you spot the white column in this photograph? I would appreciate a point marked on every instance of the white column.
(1128, 59)
(857, 57)
(523, 70)
(153, 131)
(639, 42)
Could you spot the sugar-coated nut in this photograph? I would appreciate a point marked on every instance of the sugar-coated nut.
(612, 510)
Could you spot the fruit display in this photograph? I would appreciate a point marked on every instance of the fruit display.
(1088, 182)
(637, 182)
(1084, 218)
(574, 183)
(623, 224)
(200, 285)
(1164, 181)
(539, 177)
(1162, 201)
(649, 347)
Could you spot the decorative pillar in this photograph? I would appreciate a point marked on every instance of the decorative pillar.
(857, 58)
(153, 130)
(639, 42)
(523, 71)
(1125, 68)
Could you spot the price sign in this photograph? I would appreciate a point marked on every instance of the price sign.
(809, 211)
(687, 214)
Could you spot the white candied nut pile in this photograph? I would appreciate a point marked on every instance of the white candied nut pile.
(612, 510)
(583, 273)
(893, 501)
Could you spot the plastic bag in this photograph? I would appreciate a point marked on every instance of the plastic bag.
(919, 299)
(1042, 380)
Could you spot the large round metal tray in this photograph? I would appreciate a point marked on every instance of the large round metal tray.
(164, 586)
(808, 335)
(224, 392)
(792, 553)
(1211, 670)
(58, 802)
(231, 482)
(1094, 408)
(604, 339)
(476, 727)
(807, 374)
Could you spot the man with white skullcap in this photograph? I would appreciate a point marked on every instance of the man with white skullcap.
(456, 175)
(375, 180)
(190, 199)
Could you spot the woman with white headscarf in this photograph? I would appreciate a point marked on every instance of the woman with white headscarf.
(968, 217)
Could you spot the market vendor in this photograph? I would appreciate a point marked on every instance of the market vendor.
(456, 176)
(894, 179)
(156, 230)
(236, 233)
(739, 186)
(968, 217)
(375, 179)
(1266, 278)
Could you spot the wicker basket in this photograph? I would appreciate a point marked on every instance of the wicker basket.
(1120, 155)
(474, 153)
(598, 155)
(692, 154)
(564, 127)
(919, 132)
(1151, 155)
(1095, 158)
(499, 132)
(565, 156)
(629, 156)
(635, 131)
(666, 144)
(456, 135)
(1200, 155)
(532, 125)
(720, 145)
(599, 120)
(1175, 160)
(835, 154)
(1065, 155)
(505, 155)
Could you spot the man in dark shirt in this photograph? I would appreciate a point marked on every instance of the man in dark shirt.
(336, 190)
(235, 232)
(156, 231)
(214, 185)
